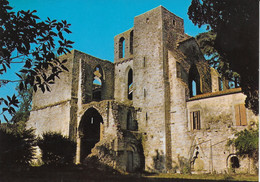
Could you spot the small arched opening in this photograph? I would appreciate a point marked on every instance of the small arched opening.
(130, 85)
(90, 131)
(97, 83)
(234, 162)
(194, 81)
(122, 47)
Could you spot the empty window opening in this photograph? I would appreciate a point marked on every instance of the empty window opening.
(147, 20)
(195, 120)
(97, 83)
(194, 88)
(122, 47)
(194, 81)
(173, 22)
(234, 162)
(129, 121)
(130, 85)
(90, 131)
(240, 115)
(144, 62)
(144, 93)
(131, 42)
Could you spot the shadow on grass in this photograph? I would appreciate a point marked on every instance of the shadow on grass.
(81, 174)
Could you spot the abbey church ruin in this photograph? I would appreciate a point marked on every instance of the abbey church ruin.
(159, 107)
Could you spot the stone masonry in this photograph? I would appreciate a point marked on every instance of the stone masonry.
(159, 107)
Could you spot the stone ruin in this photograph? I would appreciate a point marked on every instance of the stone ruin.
(159, 107)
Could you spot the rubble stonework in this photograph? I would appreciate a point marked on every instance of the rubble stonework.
(159, 107)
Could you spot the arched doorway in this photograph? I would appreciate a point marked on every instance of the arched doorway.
(90, 131)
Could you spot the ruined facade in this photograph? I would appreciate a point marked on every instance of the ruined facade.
(159, 107)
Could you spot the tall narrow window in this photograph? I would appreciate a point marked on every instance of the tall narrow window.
(195, 120)
(131, 42)
(194, 81)
(194, 88)
(240, 112)
(97, 83)
(130, 85)
(121, 47)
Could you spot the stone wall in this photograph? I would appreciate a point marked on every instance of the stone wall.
(218, 124)
(60, 91)
(121, 77)
(54, 118)
(116, 141)
(51, 110)
(215, 80)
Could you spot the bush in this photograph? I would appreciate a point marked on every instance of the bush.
(57, 150)
(246, 143)
(16, 148)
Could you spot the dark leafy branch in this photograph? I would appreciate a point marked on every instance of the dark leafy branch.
(206, 42)
(26, 39)
(236, 24)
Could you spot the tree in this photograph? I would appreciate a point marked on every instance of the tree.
(206, 43)
(246, 143)
(25, 101)
(236, 24)
(35, 44)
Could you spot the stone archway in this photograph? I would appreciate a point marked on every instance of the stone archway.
(90, 131)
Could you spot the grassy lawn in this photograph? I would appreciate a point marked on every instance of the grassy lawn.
(215, 177)
(93, 175)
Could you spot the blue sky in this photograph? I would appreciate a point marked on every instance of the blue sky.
(94, 23)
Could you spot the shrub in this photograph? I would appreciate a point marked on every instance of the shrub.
(16, 148)
(57, 150)
(246, 143)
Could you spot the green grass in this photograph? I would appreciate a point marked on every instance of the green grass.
(229, 177)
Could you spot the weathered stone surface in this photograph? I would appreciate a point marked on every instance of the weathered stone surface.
(169, 124)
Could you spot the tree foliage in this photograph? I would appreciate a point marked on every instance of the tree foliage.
(35, 44)
(206, 42)
(57, 150)
(17, 147)
(236, 24)
(25, 101)
(246, 143)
